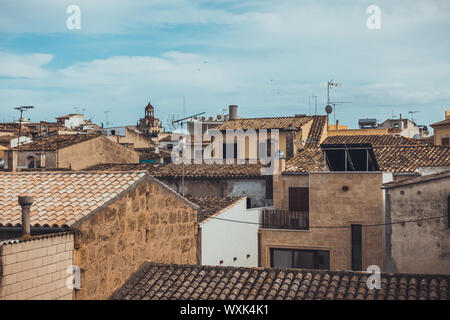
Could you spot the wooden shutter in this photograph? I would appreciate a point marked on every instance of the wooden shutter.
(298, 199)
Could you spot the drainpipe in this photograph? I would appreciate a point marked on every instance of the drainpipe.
(25, 202)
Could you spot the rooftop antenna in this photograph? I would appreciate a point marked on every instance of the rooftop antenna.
(106, 115)
(181, 122)
(412, 114)
(315, 104)
(331, 104)
(21, 109)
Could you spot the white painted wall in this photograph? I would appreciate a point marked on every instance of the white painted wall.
(23, 140)
(74, 121)
(224, 240)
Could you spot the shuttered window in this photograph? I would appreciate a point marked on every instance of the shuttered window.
(298, 199)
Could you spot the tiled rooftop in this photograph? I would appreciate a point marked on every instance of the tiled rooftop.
(190, 170)
(316, 131)
(193, 282)
(60, 199)
(441, 123)
(57, 142)
(266, 123)
(308, 160)
(410, 158)
(210, 206)
(389, 158)
(374, 139)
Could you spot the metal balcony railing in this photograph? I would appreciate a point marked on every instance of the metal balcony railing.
(283, 219)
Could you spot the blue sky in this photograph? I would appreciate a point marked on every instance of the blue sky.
(268, 57)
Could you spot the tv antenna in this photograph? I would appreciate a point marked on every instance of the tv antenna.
(106, 116)
(412, 114)
(331, 105)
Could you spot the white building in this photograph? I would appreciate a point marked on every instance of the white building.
(71, 121)
(228, 232)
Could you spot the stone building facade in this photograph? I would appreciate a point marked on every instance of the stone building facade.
(421, 246)
(36, 268)
(337, 202)
(148, 223)
(75, 152)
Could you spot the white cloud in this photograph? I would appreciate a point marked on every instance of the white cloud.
(24, 66)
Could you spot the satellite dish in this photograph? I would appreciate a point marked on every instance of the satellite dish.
(328, 109)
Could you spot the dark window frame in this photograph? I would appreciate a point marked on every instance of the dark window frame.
(293, 251)
(356, 246)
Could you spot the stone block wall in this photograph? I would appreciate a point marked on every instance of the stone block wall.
(36, 268)
(150, 222)
(330, 205)
(422, 246)
(95, 151)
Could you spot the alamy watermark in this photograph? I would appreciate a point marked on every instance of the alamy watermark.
(74, 20)
(374, 281)
(374, 20)
(74, 280)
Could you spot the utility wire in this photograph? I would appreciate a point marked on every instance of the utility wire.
(334, 227)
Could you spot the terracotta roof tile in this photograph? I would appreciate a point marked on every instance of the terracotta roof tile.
(410, 158)
(316, 131)
(374, 139)
(266, 123)
(389, 158)
(210, 206)
(173, 170)
(155, 281)
(65, 198)
(441, 123)
(57, 142)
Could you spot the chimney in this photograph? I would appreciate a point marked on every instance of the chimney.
(232, 113)
(447, 114)
(25, 202)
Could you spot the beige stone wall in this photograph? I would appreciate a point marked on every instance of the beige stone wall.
(423, 246)
(95, 151)
(281, 185)
(148, 223)
(36, 269)
(330, 205)
(137, 139)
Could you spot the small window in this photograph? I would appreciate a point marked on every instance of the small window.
(249, 203)
(113, 132)
(306, 259)
(356, 230)
(445, 141)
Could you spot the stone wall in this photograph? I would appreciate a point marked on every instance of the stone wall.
(95, 151)
(423, 246)
(36, 268)
(330, 205)
(281, 185)
(149, 222)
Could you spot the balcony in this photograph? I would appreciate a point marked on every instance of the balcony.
(283, 219)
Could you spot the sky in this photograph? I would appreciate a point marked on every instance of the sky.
(186, 57)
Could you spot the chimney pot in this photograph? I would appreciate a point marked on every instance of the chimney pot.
(26, 202)
(232, 113)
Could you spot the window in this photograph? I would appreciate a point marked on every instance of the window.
(356, 230)
(298, 199)
(113, 132)
(249, 203)
(445, 141)
(306, 259)
(228, 148)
